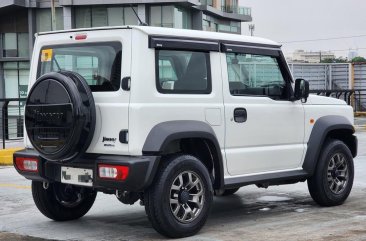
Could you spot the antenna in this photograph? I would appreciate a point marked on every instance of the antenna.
(140, 22)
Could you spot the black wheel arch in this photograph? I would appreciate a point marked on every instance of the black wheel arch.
(165, 133)
(332, 126)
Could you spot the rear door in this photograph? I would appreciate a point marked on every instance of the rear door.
(264, 129)
(103, 58)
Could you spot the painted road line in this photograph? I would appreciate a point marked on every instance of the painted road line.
(16, 186)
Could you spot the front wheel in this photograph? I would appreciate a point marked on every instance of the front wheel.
(179, 200)
(62, 202)
(332, 181)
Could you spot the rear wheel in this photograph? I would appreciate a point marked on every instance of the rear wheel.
(332, 181)
(179, 200)
(62, 202)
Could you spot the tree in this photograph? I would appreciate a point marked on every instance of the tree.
(334, 60)
(358, 59)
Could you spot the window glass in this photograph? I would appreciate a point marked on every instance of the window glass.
(10, 45)
(83, 17)
(23, 44)
(11, 82)
(99, 63)
(187, 18)
(183, 72)
(259, 75)
(115, 16)
(130, 17)
(155, 16)
(44, 19)
(16, 76)
(168, 16)
(59, 18)
(99, 16)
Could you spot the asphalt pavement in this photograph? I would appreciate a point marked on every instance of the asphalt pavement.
(277, 213)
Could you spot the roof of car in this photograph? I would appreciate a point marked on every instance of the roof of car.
(184, 33)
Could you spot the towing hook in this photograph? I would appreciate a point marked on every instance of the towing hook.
(120, 194)
(46, 185)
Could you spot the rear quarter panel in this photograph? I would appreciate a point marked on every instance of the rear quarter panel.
(148, 107)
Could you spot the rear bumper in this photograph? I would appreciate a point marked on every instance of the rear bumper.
(142, 170)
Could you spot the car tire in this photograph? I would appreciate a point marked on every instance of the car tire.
(174, 206)
(229, 192)
(59, 204)
(332, 181)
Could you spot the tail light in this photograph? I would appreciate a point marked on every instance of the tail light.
(28, 164)
(113, 172)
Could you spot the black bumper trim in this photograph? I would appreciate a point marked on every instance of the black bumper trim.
(142, 169)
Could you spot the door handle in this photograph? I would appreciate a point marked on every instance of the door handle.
(240, 115)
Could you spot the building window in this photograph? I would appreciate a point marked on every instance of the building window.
(44, 20)
(87, 17)
(217, 25)
(16, 75)
(170, 16)
(15, 45)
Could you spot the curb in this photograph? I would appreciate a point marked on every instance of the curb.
(6, 156)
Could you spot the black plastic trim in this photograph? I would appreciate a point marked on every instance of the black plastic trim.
(177, 43)
(319, 134)
(36, 176)
(166, 132)
(272, 178)
(247, 49)
(249, 44)
(142, 170)
(123, 136)
(126, 83)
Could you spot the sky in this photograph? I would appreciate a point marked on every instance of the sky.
(295, 20)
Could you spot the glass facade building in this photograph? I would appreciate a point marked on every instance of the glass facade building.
(21, 19)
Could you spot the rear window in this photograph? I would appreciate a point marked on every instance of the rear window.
(98, 63)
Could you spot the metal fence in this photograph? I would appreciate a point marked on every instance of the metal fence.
(343, 81)
(12, 116)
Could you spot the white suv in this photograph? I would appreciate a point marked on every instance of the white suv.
(172, 117)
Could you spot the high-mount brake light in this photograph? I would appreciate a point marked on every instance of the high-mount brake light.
(28, 164)
(80, 36)
(113, 172)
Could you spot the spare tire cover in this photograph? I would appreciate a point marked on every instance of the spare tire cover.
(60, 115)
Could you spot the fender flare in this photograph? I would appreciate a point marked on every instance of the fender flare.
(323, 126)
(164, 133)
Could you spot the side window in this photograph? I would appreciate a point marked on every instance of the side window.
(183, 72)
(255, 75)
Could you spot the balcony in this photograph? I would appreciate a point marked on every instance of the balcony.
(237, 10)
(230, 11)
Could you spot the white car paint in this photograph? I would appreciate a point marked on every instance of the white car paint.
(272, 140)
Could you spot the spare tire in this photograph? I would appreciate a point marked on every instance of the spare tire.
(60, 115)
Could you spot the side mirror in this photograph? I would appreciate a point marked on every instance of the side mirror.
(301, 90)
